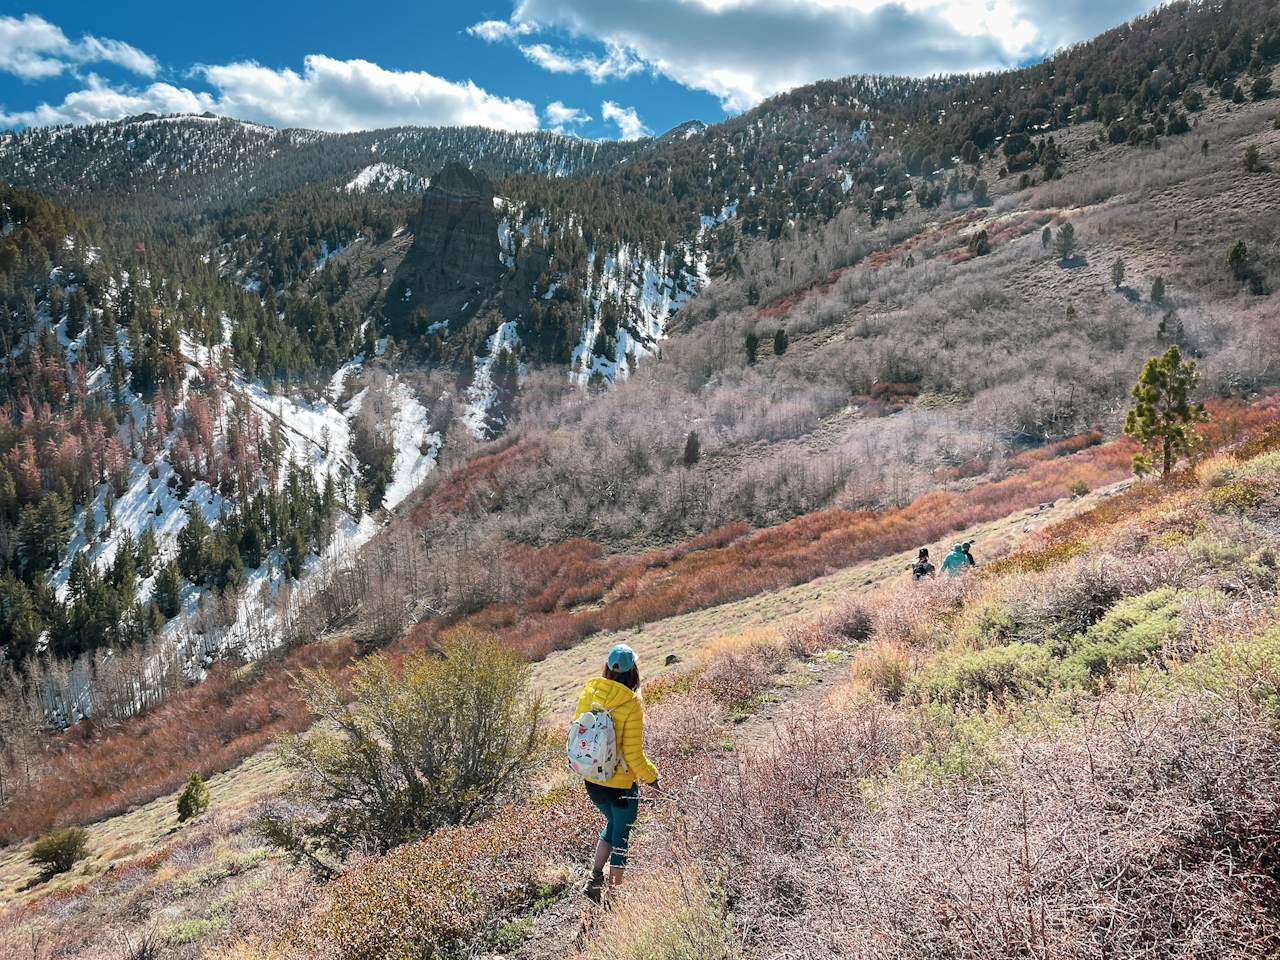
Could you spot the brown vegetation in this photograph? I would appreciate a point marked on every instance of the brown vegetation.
(93, 771)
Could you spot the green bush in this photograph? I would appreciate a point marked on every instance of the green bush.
(1237, 497)
(194, 799)
(401, 755)
(1130, 632)
(1133, 630)
(988, 623)
(1251, 665)
(1010, 672)
(57, 851)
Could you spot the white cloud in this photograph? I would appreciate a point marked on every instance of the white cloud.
(745, 50)
(618, 63)
(560, 118)
(35, 49)
(99, 102)
(335, 95)
(493, 30)
(341, 95)
(630, 126)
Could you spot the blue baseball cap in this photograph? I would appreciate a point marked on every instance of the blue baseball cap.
(621, 658)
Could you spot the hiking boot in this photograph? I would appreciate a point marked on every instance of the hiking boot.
(594, 888)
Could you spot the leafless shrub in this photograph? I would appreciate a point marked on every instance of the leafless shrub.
(1068, 598)
(850, 621)
(1151, 831)
(883, 668)
(794, 794)
(682, 722)
(736, 670)
(914, 613)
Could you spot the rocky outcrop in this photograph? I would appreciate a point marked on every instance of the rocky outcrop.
(454, 260)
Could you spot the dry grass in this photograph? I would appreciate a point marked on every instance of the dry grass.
(669, 915)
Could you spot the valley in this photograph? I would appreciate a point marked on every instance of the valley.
(280, 406)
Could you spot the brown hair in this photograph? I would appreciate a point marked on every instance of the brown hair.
(628, 678)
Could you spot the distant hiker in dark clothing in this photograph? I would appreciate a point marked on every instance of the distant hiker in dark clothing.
(967, 555)
(954, 561)
(922, 567)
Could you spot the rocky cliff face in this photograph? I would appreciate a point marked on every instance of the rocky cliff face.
(453, 265)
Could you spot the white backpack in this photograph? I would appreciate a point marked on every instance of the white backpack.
(592, 746)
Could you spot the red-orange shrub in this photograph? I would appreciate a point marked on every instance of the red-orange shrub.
(98, 771)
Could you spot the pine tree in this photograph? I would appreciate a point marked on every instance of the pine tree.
(8, 495)
(191, 545)
(90, 528)
(1157, 289)
(780, 342)
(194, 799)
(167, 594)
(148, 550)
(753, 345)
(1238, 259)
(108, 513)
(296, 554)
(1065, 242)
(80, 577)
(116, 377)
(1117, 272)
(692, 448)
(124, 569)
(20, 624)
(77, 307)
(1162, 416)
(252, 544)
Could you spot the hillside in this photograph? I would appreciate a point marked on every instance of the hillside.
(622, 233)
(271, 401)
(1108, 672)
(162, 381)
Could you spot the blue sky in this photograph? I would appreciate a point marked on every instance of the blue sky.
(596, 68)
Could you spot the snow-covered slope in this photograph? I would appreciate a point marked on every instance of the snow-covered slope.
(385, 178)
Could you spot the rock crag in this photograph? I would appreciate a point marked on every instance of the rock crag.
(454, 264)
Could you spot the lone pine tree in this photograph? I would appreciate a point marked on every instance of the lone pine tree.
(1162, 417)
(1064, 244)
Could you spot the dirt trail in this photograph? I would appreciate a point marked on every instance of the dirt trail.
(560, 676)
(559, 930)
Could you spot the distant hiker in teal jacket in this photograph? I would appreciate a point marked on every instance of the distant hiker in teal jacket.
(954, 561)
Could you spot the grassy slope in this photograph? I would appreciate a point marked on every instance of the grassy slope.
(119, 843)
(562, 673)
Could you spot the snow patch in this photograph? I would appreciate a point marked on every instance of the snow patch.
(384, 178)
(482, 395)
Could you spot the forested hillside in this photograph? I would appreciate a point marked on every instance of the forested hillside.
(143, 471)
(619, 234)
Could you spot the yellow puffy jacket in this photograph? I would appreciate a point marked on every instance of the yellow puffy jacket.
(628, 727)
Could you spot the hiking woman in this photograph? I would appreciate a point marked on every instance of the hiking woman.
(618, 691)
